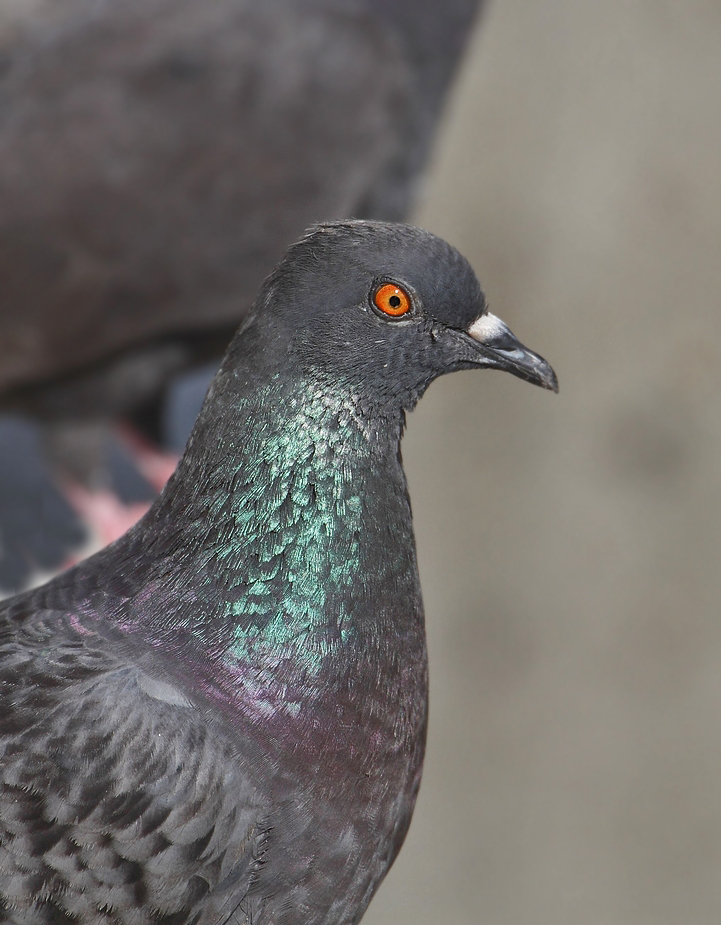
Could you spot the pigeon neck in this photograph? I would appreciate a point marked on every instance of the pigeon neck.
(295, 525)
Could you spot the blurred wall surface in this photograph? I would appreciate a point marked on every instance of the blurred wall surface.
(569, 546)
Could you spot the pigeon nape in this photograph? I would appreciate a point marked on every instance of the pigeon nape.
(221, 717)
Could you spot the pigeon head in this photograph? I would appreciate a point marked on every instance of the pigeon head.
(381, 310)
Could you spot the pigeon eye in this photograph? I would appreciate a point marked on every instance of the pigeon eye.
(390, 299)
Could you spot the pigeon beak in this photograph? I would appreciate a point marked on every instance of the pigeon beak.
(502, 350)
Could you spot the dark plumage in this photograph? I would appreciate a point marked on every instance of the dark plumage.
(221, 717)
(158, 156)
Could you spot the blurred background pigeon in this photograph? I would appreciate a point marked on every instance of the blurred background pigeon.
(156, 157)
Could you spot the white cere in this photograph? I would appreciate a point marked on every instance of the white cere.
(486, 328)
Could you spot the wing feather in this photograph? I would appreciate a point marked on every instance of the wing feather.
(120, 800)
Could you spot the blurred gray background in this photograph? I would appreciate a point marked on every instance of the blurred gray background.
(569, 545)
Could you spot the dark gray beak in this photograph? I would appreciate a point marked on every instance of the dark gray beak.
(502, 350)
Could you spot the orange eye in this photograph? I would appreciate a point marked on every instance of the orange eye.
(392, 300)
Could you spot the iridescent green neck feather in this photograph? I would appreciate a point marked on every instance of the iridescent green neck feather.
(280, 523)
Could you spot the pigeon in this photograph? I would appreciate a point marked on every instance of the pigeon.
(221, 717)
(157, 158)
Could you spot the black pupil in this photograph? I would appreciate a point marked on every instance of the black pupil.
(394, 301)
